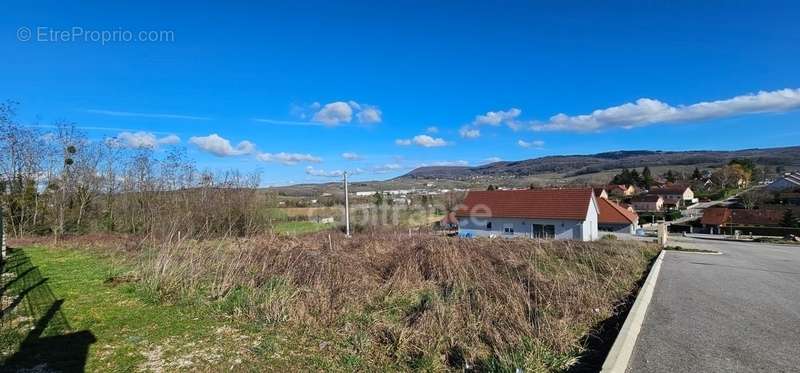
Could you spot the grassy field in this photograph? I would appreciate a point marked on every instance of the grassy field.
(300, 227)
(82, 314)
(378, 301)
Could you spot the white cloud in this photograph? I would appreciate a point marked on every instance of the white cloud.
(143, 140)
(493, 159)
(428, 141)
(350, 156)
(444, 163)
(389, 167)
(647, 111)
(333, 173)
(145, 115)
(423, 141)
(432, 129)
(287, 158)
(369, 115)
(535, 144)
(219, 146)
(496, 118)
(469, 133)
(334, 113)
(169, 140)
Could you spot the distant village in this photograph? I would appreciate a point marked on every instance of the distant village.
(735, 199)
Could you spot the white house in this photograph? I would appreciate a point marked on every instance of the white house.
(563, 214)
(676, 195)
(647, 202)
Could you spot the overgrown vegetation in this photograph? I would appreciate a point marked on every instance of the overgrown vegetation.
(59, 183)
(380, 300)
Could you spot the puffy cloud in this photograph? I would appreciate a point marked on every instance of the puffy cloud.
(287, 158)
(469, 133)
(646, 111)
(496, 118)
(333, 173)
(221, 147)
(350, 156)
(536, 144)
(432, 129)
(423, 141)
(169, 140)
(334, 113)
(143, 140)
(369, 115)
(493, 159)
(428, 141)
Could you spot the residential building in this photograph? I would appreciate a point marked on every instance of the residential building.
(615, 218)
(675, 195)
(648, 203)
(789, 181)
(716, 218)
(621, 190)
(564, 214)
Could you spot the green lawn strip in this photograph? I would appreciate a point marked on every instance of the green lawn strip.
(300, 227)
(132, 334)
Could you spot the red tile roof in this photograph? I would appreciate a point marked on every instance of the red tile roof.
(612, 213)
(723, 216)
(567, 203)
(756, 217)
(716, 216)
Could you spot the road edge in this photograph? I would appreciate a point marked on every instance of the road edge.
(621, 351)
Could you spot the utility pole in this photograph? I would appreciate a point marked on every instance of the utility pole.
(346, 206)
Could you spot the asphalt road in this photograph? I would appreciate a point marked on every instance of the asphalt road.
(736, 312)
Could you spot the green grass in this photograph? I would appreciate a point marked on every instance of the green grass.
(300, 227)
(90, 318)
(107, 324)
(88, 311)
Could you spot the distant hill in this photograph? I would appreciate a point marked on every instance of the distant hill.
(575, 165)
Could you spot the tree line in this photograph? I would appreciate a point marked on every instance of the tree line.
(736, 173)
(62, 182)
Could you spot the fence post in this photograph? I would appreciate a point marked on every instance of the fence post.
(2, 237)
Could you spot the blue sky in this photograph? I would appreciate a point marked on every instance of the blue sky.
(292, 87)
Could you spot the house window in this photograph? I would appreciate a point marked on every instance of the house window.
(508, 229)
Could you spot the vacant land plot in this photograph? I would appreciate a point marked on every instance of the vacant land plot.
(378, 301)
(300, 227)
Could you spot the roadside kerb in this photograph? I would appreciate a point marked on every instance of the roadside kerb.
(622, 350)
